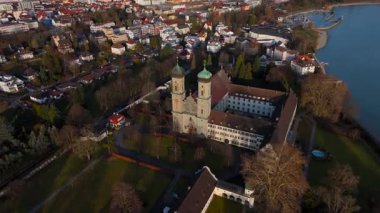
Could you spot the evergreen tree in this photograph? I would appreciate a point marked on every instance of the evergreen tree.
(239, 62)
(32, 143)
(256, 65)
(193, 62)
(252, 20)
(6, 132)
(248, 72)
(209, 60)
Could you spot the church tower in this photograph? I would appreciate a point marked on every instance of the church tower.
(203, 101)
(178, 95)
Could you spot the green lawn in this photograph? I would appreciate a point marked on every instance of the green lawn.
(146, 145)
(42, 184)
(221, 205)
(357, 154)
(91, 193)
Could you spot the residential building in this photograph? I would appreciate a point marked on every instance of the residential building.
(29, 74)
(116, 121)
(24, 55)
(246, 117)
(10, 28)
(268, 34)
(150, 2)
(118, 49)
(10, 84)
(281, 53)
(3, 59)
(303, 65)
(100, 27)
(206, 187)
(86, 57)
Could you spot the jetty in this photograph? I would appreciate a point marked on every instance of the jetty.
(330, 16)
(335, 23)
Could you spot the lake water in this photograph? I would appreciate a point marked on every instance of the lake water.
(353, 55)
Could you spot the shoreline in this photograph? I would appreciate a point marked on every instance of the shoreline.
(370, 139)
(332, 6)
(322, 39)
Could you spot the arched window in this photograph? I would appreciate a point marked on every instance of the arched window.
(202, 92)
(202, 111)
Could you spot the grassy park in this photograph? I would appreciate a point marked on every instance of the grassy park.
(93, 190)
(357, 154)
(162, 148)
(220, 205)
(45, 182)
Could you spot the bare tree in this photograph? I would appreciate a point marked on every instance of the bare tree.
(176, 152)
(228, 155)
(341, 183)
(68, 134)
(276, 175)
(199, 153)
(15, 189)
(323, 96)
(125, 199)
(84, 149)
(78, 116)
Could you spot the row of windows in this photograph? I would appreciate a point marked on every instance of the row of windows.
(253, 146)
(249, 139)
(265, 101)
(250, 110)
(230, 130)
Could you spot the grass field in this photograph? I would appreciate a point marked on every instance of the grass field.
(146, 145)
(223, 205)
(44, 183)
(357, 154)
(92, 191)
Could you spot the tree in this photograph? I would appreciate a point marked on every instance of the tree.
(166, 52)
(6, 131)
(78, 116)
(124, 198)
(224, 57)
(54, 135)
(323, 96)
(193, 62)
(228, 155)
(16, 189)
(239, 63)
(68, 134)
(276, 175)
(3, 106)
(337, 194)
(176, 152)
(256, 65)
(209, 60)
(84, 149)
(252, 20)
(153, 123)
(49, 113)
(38, 143)
(199, 153)
(155, 42)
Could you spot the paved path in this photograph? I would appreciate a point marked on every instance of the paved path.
(68, 183)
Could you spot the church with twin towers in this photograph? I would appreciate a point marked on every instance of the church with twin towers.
(242, 116)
